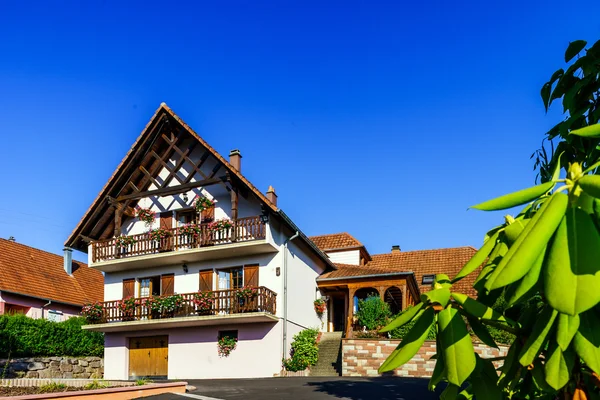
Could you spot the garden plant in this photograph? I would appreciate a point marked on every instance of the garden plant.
(545, 261)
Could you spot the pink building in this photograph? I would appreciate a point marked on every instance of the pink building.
(45, 285)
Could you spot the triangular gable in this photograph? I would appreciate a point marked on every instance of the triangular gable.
(165, 138)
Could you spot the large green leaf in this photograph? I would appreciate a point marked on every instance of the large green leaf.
(574, 48)
(478, 258)
(411, 343)
(539, 377)
(511, 364)
(406, 316)
(566, 329)
(522, 254)
(513, 230)
(590, 131)
(438, 371)
(459, 356)
(556, 368)
(526, 285)
(587, 340)
(539, 334)
(481, 331)
(440, 296)
(572, 274)
(590, 184)
(477, 309)
(516, 198)
(545, 93)
(450, 393)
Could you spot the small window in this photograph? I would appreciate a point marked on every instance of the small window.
(230, 334)
(427, 279)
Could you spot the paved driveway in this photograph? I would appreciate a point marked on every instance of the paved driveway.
(307, 389)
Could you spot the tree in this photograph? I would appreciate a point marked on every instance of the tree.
(545, 262)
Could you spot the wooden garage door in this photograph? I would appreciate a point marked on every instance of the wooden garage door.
(148, 356)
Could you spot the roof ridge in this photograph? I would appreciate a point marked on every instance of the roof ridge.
(425, 250)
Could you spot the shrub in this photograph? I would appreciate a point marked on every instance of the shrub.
(21, 336)
(305, 351)
(373, 313)
(95, 385)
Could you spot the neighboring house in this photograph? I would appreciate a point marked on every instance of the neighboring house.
(45, 285)
(397, 277)
(239, 239)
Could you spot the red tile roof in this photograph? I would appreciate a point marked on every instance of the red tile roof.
(32, 272)
(422, 262)
(335, 241)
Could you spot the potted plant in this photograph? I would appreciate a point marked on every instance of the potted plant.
(157, 236)
(204, 302)
(127, 307)
(191, 232)
(226, 345)
(202, 203)
(93, 312)
(123, 242)
(146, 215)
(320, 306)
(219, 226)
(166, 306)
(245, 296)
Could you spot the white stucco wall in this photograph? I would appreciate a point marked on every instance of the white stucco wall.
(351, 257)
(193, 352)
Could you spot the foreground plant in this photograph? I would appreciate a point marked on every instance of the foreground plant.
(546, 263)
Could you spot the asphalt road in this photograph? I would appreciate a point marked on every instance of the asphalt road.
(386, 388)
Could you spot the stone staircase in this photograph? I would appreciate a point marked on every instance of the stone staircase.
(330, 355)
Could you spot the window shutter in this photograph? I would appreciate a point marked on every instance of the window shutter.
(206, 278)
(251, 275)
(166, 220)
(128, 288)
(208, 215)
(167, 284)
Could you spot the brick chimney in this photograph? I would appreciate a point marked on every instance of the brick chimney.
(235, 159)
(396, 248)
(271, 196)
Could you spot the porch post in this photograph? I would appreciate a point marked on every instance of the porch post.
(404, 297)
(350, 316)
(382, 290)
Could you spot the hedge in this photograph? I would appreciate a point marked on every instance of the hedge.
(305, 351)
(21, 336)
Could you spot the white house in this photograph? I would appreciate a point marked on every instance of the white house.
(185, 251)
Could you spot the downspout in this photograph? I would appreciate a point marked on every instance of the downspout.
(285, 282)
(44, 306)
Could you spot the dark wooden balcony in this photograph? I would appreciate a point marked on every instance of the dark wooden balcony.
(222, 303)
(242, 230)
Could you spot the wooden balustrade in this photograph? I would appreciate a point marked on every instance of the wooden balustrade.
(223, 302)
(242, 230)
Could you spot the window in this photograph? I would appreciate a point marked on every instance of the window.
(232, 278)
(150, 286)
(231, 334)
(187, 216)
(427, 279)
(54, 316)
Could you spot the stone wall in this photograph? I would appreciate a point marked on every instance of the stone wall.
(362, 357)
(53, 367)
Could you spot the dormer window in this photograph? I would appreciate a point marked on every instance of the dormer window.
(428, 279)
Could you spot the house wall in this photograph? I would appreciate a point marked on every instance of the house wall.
(193, 352)
(351, 257)
(34, 307)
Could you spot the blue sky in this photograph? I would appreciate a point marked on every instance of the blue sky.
(383, 119)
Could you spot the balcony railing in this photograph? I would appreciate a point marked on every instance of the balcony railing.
(222, 302)
(243, 230)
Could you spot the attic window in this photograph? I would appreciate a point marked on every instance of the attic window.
(427, 279)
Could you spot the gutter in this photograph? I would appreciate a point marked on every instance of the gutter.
(42, 298)
(44, 306)
(365, 276)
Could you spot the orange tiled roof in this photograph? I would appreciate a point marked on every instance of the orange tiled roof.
(335, 241)
(32, 272)
(422, 262)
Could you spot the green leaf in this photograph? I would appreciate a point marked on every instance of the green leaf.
(411, 343)
(531, 242)
(459, 356)
(556, 369)
(405, 317)
(478, 258)
(516, 198)
(486, 388)
(536, 340)
(539, 378)
(557, 166)
(477, 309)
(450, 393)
(572, 274)
(587, 340)
(523, 288)
(481, 331)
(440, 296)
(574, 48)
(556, 75)
(511, 365)
(438, 372)
(590, 184)
(512, 231)
(545, 93)
(591, 131)
(566, 329)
